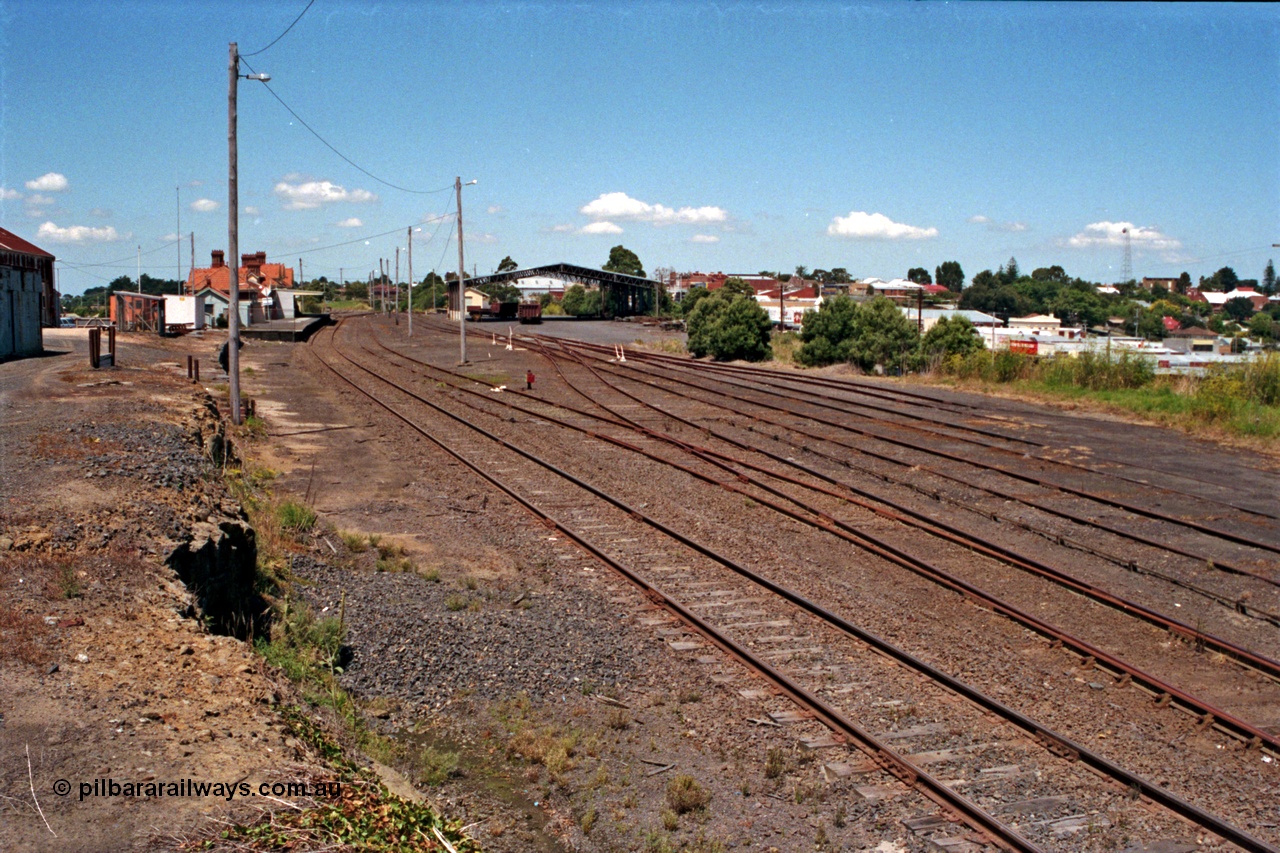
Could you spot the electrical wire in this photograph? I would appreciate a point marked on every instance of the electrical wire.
(326, 144)
(75, 265)
(439, 218)
(283, 34)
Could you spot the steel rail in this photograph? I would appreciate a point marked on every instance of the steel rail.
(775, 379)
(1016, 475)
(881, 754)
(1051, 740)
(812, 517)
(1223, 565)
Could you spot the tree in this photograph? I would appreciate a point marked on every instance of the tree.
(738, 286)
(1261, 326)
(575, 300)
(1224, 279)
(506, 264)
(827, 333)
(727, 325)
(1009, 272)
(1055, 274)
(949, 336)
(624, 261)
(840, 275)
(1078, 306)
(692, 298)
(949, 275)
(883, 339)
(1238, 309)
(1269, 279)
(802, 272)
(919, 275)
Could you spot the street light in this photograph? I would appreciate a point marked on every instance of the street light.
(233, 231)
(462, 294)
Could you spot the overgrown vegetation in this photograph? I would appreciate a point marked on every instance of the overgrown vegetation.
(729, 324)
(1239, 399)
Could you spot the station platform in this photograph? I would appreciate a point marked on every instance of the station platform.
(297, 329)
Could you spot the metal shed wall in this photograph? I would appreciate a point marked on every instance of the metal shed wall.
(20, 299)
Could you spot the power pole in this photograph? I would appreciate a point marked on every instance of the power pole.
(397, 305)
(233, 239)
(410, 281)
(462, 273)
(139, 269)
(193, 263)
(177, 206)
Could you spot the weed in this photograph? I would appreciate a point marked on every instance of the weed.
(655, 843)
(820, 838)
(432, 574)
(437, 766)
(393, 564)
(745, 787)
(64, 583)
(670, 820)
(588, 821)
(839, 819)
(20, 637)
(684, 794)
(470, 582)
(686, 697)
(295, 517)
(356, 543)
(618, 719)
(774, 763)
(456, 602)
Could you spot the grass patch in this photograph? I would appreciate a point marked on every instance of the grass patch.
(356, 543)
(1241, 400)
(684, 795)
(297, 518)
(785, 345)
(437, 766)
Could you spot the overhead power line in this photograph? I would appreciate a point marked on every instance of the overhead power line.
(439, 218)
(326, 144)
(283, 34)
(75, 265)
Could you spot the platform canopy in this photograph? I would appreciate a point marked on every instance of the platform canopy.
(621, 295)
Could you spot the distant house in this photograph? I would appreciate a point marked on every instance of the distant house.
(1217, 299)
(28, 300)
(1169, 284)
(898, 289)
(257, 279)
(787, 305)
(1196, 339)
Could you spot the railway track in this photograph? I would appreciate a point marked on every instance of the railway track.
(796, 424)
(727, 603)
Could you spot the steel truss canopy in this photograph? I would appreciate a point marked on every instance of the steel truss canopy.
(622, 295)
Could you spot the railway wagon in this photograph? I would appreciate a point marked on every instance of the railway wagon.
(493, 311)
(530, 312)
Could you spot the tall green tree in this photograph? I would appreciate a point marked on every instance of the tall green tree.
(1224, 280)
(919, 275)
(1269, 279)
(1184, 282)
(949, 336)
(1238, 309)
(737, 286)
(575, 299)
(827, 333)
(883, 338)
(949, 275)
(727, 325)
(506, 264)
(624, 261)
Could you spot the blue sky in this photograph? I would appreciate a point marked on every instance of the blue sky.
(733, 137)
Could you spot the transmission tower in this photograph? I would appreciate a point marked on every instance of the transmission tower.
(1126, 270)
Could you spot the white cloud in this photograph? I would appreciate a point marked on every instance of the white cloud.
(78, 234)
(496, 208)
(351, 222)
(311, 194)
(170, 238)
(704, 238)
(482, 238)
(7, 194)
(600, 228)
(623, 206)
(876, 226)
(1112, 234)
(204, 205)
(38, 200)
(1007, 227)
(561, 229)
(101, 212)
(50, 182)
(251, 210)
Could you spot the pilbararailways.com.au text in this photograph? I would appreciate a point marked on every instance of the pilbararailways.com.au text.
(192, 788)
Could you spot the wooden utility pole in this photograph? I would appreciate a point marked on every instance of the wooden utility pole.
(462, 273)
(397, 305)
(410, 281)
(233, 238)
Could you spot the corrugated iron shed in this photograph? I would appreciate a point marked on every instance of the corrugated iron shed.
(27, 297)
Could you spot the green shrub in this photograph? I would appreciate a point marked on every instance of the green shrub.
(684, 794)
(295, 517)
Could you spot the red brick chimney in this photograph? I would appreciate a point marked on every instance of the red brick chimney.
(218, 258)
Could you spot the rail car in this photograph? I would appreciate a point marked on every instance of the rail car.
(530, 312)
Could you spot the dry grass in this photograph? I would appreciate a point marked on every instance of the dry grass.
(684, 795)
(22, 637)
